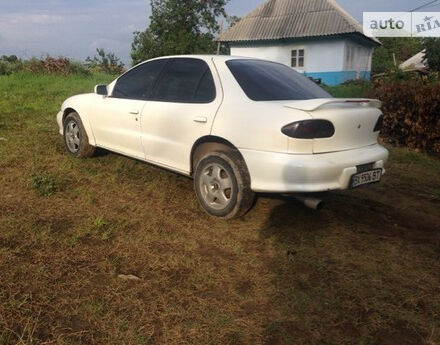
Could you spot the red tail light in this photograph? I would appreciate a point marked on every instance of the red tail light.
(309, 129)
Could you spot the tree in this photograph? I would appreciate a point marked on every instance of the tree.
(10, 58)
(232, 20)
(402, 47)
(179, 27)
(105, 62)
(225, 49)
(432, 53)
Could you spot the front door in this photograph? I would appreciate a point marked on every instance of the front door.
(116, 120)
(116, 126)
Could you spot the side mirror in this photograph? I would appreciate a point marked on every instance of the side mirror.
(101, 90)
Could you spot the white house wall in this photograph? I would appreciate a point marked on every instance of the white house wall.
(357, 60)
(324, 59)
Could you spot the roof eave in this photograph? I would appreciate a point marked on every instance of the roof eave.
(370, 40)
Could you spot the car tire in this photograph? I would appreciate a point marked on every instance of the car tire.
(222, 185)
(75, 137)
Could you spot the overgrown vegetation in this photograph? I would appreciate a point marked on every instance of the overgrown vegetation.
(179, 27)
(402, 47)
(411, 110)
(103, 62)
(431, 47)
(411, 107)
(362, 271)
(351, 89)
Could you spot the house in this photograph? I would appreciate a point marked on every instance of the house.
(415, 63)
(315, 37)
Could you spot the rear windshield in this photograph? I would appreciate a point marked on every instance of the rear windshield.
(271, 81)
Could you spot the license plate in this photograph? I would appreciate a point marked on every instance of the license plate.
(366, 177)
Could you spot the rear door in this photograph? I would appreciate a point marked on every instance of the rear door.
(182, 109)
(116, 118)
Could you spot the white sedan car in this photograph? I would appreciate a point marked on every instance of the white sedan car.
(237, 126)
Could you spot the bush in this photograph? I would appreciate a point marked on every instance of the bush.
(10, 64)
(47, 65)
(105, 63)
(411, 113)
(50, 65)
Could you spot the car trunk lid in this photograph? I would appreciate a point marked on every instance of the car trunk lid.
(354, 121)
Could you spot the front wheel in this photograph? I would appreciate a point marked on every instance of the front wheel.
(75, 137)
(222, 185)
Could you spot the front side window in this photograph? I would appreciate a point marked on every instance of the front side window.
(139, 82)
(186, 80)
(271, 81)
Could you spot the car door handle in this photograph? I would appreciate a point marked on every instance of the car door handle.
(201, 119)
(134, 112)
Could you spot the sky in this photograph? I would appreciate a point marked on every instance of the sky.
(75, 28)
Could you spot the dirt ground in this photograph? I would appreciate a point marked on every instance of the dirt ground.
(364, 270)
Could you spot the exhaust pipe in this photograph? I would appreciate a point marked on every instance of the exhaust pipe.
(313, 203)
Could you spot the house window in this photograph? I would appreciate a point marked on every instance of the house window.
(298, 58)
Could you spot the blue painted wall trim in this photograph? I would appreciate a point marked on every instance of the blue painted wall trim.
(336, 78)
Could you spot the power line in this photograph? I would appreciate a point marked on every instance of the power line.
(423, 6)
(431, 6)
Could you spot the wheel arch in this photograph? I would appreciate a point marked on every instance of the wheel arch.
(208, 144)
(84, 121)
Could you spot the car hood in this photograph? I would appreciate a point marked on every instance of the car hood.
(75, 99)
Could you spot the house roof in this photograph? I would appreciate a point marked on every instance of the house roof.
(287, 19)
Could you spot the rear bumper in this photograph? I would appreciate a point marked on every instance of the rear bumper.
(287, 173)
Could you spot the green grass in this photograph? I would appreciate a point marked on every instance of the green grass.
(353, 90)
(365, 270)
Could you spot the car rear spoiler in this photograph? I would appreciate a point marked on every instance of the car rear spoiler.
(314, 104)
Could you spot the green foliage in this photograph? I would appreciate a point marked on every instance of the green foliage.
(402, 47)
(179, 27)
(10, 64)
(350, 89)
(47, 65)
(232, 20)
(432, 53)
(44, 184)
(105, 62)
(10, 58)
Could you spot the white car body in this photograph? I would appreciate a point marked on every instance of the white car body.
(166, 133)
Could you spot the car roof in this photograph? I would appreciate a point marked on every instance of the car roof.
(203, 57)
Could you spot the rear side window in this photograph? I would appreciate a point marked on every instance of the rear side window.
(186, 80)
(271, 81)
(139, 82)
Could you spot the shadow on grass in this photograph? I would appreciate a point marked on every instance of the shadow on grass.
(335, 272)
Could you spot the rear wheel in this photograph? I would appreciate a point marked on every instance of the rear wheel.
(222, 185)
(75, 137)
